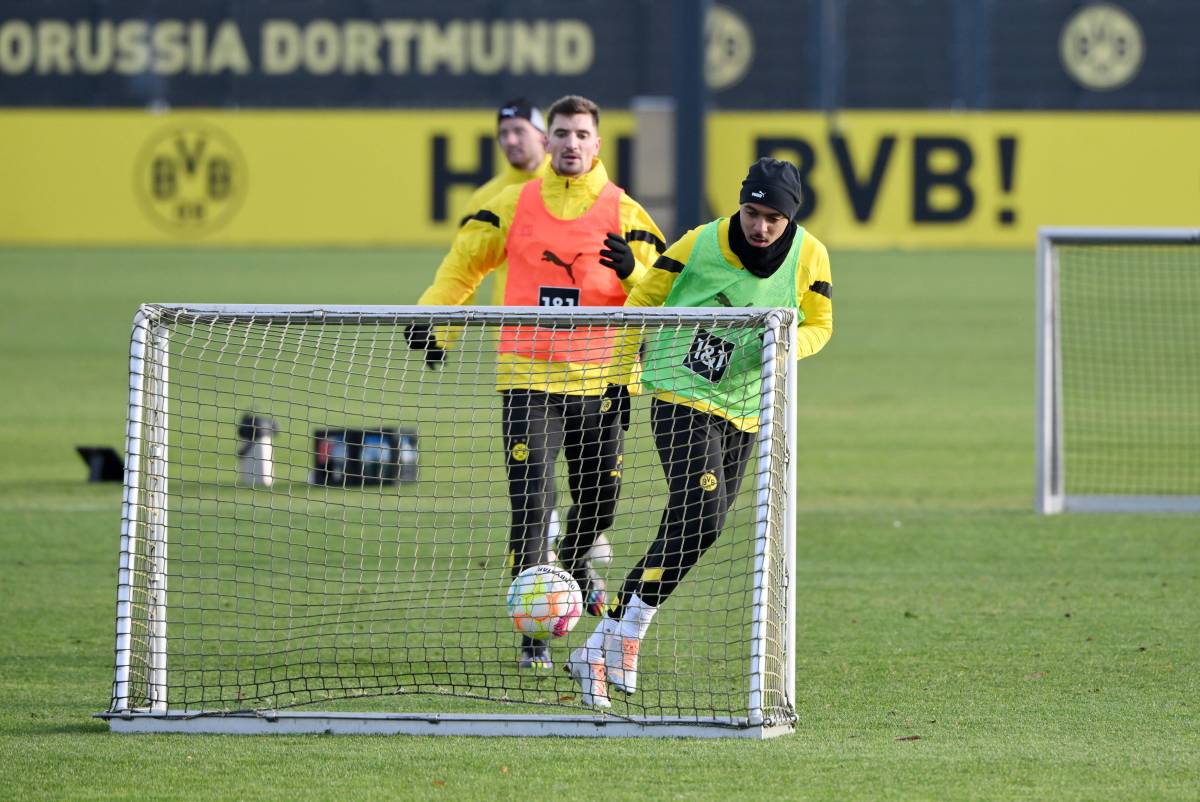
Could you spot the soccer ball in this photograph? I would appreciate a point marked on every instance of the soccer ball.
(544, 602)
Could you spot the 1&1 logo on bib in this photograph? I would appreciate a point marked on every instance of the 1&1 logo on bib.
(709, 356)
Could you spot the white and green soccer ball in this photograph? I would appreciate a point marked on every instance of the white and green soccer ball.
(544, 602)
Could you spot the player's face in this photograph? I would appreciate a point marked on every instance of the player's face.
(762, 225)
(573, 143)
(524, 146)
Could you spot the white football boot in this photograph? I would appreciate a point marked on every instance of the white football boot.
(621, 661)
(588, 670)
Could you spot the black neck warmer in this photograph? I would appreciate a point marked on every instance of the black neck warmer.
(762, 262)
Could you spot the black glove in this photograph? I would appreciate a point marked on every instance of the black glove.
(617, 256)
(420, 337)
(616, 402)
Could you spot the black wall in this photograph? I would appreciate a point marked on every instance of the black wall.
(807, 54)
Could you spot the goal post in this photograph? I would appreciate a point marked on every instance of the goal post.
(141, 578)
(1118, 370)
(315, 530)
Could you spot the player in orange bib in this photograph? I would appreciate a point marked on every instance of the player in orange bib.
(570, 238)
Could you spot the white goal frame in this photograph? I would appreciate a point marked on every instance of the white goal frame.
(146, 535)
(1050, 478)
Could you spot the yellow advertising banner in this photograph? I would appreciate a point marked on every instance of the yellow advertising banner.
(917, 180)
(874, 179)
(245, 178)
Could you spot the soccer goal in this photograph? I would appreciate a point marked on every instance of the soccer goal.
(1118, 361)
(315, 526)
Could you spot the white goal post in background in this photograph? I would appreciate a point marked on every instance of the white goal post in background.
(315, 529)
(1118, 370)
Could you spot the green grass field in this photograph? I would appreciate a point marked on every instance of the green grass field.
(953, 644)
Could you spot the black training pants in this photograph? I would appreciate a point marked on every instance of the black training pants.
(703, 457)
(537, 426)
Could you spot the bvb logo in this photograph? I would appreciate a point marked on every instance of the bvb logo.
(729, 47)
(191, 180)
(708, 481)
(520, 452)
(1102, 47)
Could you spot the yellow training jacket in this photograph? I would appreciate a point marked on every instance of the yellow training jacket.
(479, 248)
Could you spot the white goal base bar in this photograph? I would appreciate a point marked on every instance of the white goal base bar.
(1172, 504)
(308, 723)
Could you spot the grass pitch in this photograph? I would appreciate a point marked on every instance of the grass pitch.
(953, 644)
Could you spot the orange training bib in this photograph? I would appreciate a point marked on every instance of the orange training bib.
(556, 263)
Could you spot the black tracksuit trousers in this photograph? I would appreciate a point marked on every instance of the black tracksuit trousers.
(536, 427)
(704, 458)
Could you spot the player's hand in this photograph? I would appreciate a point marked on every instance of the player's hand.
(419, 337)
(616, 403)
(617, 256)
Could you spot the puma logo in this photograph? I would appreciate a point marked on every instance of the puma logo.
(758, 193)
(552, 258)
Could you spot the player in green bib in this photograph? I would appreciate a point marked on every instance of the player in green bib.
(706, 389)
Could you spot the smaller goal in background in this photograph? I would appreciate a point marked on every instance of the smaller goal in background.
(1118, 379)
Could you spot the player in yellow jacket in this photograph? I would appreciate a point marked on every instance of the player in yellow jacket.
(571, 238)
(706, 389)
(521, 134)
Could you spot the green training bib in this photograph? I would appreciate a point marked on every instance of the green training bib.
(721, 366)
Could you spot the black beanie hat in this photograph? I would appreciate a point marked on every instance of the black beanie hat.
(522, 107)
(773, 183)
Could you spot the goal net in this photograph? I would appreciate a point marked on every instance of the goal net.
(1118, 418)
(315, 531)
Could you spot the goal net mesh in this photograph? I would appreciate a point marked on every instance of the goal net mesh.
(1129, 345)
(314, 518)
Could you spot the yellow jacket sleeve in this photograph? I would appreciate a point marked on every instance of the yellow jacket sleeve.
(814, 289)
(479, 247)
(645, 239)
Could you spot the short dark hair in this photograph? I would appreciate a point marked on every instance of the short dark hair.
(570, 105)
